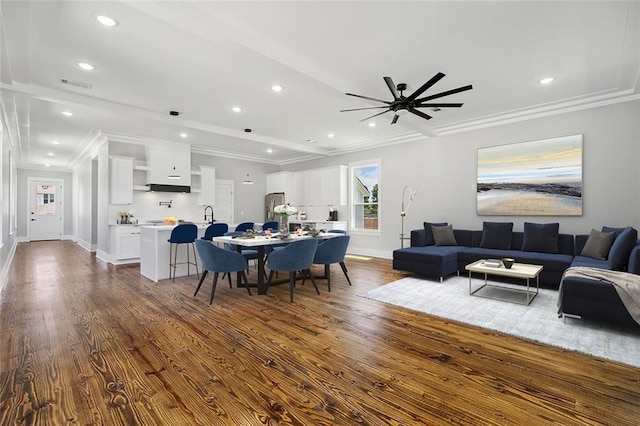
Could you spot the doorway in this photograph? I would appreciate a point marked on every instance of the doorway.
(224, 201)
(45, 216)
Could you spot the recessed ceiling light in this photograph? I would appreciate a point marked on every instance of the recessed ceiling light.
(183, 135)
(372, 124)
(47, 165)
(546, 80)
(67, 113)
(49, 154)
(55, 142)
(85, 66)
(277, 88)
(330, 135)
(236, 109)
(106, 21)
(269, 150)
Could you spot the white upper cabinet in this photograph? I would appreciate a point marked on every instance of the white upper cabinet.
(169, 159)
(121, 180)
(207, 194)
(320, 187)
(280, 182)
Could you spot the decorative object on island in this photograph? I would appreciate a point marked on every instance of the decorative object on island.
(283, 211)
(536, 178)
(403, 212)
(169, 220)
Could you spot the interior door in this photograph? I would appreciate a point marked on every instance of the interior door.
(45, 213)
(224, 201)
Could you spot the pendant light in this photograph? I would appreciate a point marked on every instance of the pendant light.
(247, 181)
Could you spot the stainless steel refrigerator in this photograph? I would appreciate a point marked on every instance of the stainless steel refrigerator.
(270, 201)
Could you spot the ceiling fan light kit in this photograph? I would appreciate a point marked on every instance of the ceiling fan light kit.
(401, 105)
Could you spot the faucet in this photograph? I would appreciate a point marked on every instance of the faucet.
(206, 215)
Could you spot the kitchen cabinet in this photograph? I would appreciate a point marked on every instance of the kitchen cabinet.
(169, 159)
(207, 194)
(281, 182)
(121, 180)
(321, 187)
(125, 243)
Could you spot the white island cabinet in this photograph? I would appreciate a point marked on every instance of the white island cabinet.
(154, 252)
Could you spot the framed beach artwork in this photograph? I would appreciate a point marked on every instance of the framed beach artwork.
(536, 178)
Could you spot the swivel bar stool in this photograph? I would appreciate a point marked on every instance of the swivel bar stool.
(185, 233)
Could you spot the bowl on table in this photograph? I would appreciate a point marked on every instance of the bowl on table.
(507, 262)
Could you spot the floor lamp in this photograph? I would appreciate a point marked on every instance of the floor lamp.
(403, 212)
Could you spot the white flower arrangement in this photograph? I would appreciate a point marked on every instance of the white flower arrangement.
(285, 210)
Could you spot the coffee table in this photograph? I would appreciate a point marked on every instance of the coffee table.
(518, 270)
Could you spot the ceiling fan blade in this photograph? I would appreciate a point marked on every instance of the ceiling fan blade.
(366, 97)
(392, 87)
(447, 93)
(419, 113)
(437, 105)
(395, 119)
(375, 115)
(360, 109)
(425, 86)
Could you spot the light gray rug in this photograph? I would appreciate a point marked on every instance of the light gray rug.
(538, 321)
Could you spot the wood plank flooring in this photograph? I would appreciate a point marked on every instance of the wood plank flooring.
(87, 343)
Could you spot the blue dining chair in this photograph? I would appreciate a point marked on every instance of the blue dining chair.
(297, 256)
(337, 231)
(242, 227)
(215, 230)
(184, 233)
(218, 260)
(273, 225)
(332, 251)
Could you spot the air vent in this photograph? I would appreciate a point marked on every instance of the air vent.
(78, 84)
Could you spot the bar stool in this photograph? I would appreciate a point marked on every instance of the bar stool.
(185, 233)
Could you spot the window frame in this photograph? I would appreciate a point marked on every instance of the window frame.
(353, 167)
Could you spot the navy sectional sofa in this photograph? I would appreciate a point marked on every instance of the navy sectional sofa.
(581, 297)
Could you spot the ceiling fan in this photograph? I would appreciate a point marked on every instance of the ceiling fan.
(402, 104)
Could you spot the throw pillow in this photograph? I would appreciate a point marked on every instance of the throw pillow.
(541, 237)
(428, 234)
(598, 244)
(443, 236)
(496, 235)
(621, 248)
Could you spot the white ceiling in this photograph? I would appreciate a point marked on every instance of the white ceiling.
(202, 58)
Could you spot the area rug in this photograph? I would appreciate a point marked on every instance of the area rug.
(538, 322)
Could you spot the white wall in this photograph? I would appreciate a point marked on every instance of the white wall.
(443, 171)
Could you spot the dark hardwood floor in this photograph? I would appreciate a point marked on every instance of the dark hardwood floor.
(87, 343)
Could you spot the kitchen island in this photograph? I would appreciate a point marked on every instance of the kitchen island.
(154, 252)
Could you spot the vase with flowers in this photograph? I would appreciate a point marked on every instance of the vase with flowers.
(283, 211)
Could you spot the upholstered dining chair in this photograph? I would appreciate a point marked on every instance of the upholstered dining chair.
(215, 230)
(184, 233)
(272, 224)
(332, 251)
(242, 227)
(295, 257)
(218, 260)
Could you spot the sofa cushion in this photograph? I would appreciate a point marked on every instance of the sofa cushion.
(590, 262)
(598, 244)
(541, 237)
(443, 236)
(428, 233)
(496, 235)
(621, 247)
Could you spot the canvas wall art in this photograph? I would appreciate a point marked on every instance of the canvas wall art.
(536, 178)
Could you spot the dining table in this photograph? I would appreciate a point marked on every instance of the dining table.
(261, 242)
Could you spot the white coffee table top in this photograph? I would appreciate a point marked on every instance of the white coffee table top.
(518, 270)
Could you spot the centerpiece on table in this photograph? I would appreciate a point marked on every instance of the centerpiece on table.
(283, 211)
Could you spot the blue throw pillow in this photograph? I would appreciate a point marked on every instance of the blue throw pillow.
(496, 235)
(541, 237)
(621, 247)
(428, 233)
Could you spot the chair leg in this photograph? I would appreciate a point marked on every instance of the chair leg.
(344, 269)
(246, 282)
(228, 274)
(269, 281)
(292, 283)
(213, 288)
(175, 259)
(195, 259)
(327, 275)
(313, 280)
(204, 274)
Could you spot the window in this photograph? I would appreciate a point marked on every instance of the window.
(365, 196)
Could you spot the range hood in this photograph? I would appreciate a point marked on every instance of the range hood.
(157, 187)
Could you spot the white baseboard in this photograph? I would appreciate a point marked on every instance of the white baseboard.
(360, 251)
(104, 256)
(4, 273)
(87, 246)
